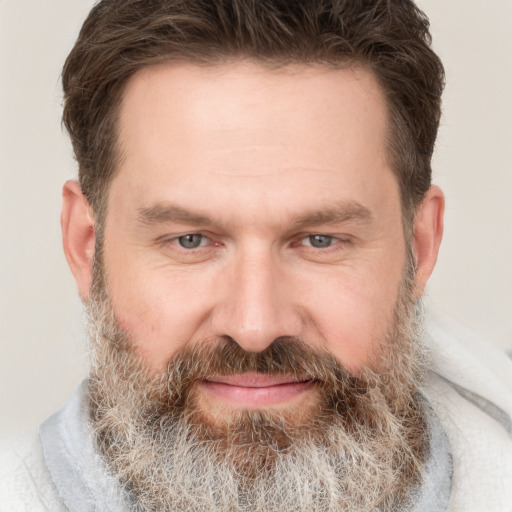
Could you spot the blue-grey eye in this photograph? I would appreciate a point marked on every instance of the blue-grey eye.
(320, 241)
(191, 241)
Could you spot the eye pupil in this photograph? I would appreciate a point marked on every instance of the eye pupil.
(320, 241)
(190, 241)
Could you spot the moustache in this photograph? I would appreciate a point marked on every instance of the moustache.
(285, 356)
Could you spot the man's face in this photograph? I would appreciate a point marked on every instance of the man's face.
(254, 204)
(252, 308)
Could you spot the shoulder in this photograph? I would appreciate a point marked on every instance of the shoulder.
(470, 388)
(25, 484)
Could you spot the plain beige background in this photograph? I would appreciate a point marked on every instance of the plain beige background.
(42, 348)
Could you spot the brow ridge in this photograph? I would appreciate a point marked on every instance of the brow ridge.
(160, 213)
(351, 211)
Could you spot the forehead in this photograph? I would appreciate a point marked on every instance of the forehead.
(253, 102)
(244, 131)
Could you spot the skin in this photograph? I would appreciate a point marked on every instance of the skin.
(255, 161)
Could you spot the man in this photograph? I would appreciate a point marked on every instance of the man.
(251, 235)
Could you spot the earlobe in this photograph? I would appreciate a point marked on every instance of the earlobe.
(428, 232)
(78, 235)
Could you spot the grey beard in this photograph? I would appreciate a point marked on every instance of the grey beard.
(360, 448)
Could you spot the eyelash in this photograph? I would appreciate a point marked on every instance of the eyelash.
(336, 241)
(331, 239)
(175, 241)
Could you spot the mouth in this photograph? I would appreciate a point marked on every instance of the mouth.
(253, 390)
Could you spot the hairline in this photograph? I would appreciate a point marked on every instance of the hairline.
(99, 203)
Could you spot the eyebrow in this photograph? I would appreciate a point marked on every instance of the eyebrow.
(162, 213)
(350, 211)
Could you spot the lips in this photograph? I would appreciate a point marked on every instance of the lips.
(256, 380)
(254, 390)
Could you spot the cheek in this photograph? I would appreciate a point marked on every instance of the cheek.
(162, 310)
(351, 313)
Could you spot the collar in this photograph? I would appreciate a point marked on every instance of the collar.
(78, 472)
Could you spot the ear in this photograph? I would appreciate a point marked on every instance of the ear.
(78, 235)
(428, 232)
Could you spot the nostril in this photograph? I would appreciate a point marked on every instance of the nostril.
(253, 308)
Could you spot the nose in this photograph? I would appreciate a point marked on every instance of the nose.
(255, 304)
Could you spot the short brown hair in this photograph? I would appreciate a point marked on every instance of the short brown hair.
(119, 37)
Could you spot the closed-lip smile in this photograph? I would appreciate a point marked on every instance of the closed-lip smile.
(255, 390)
